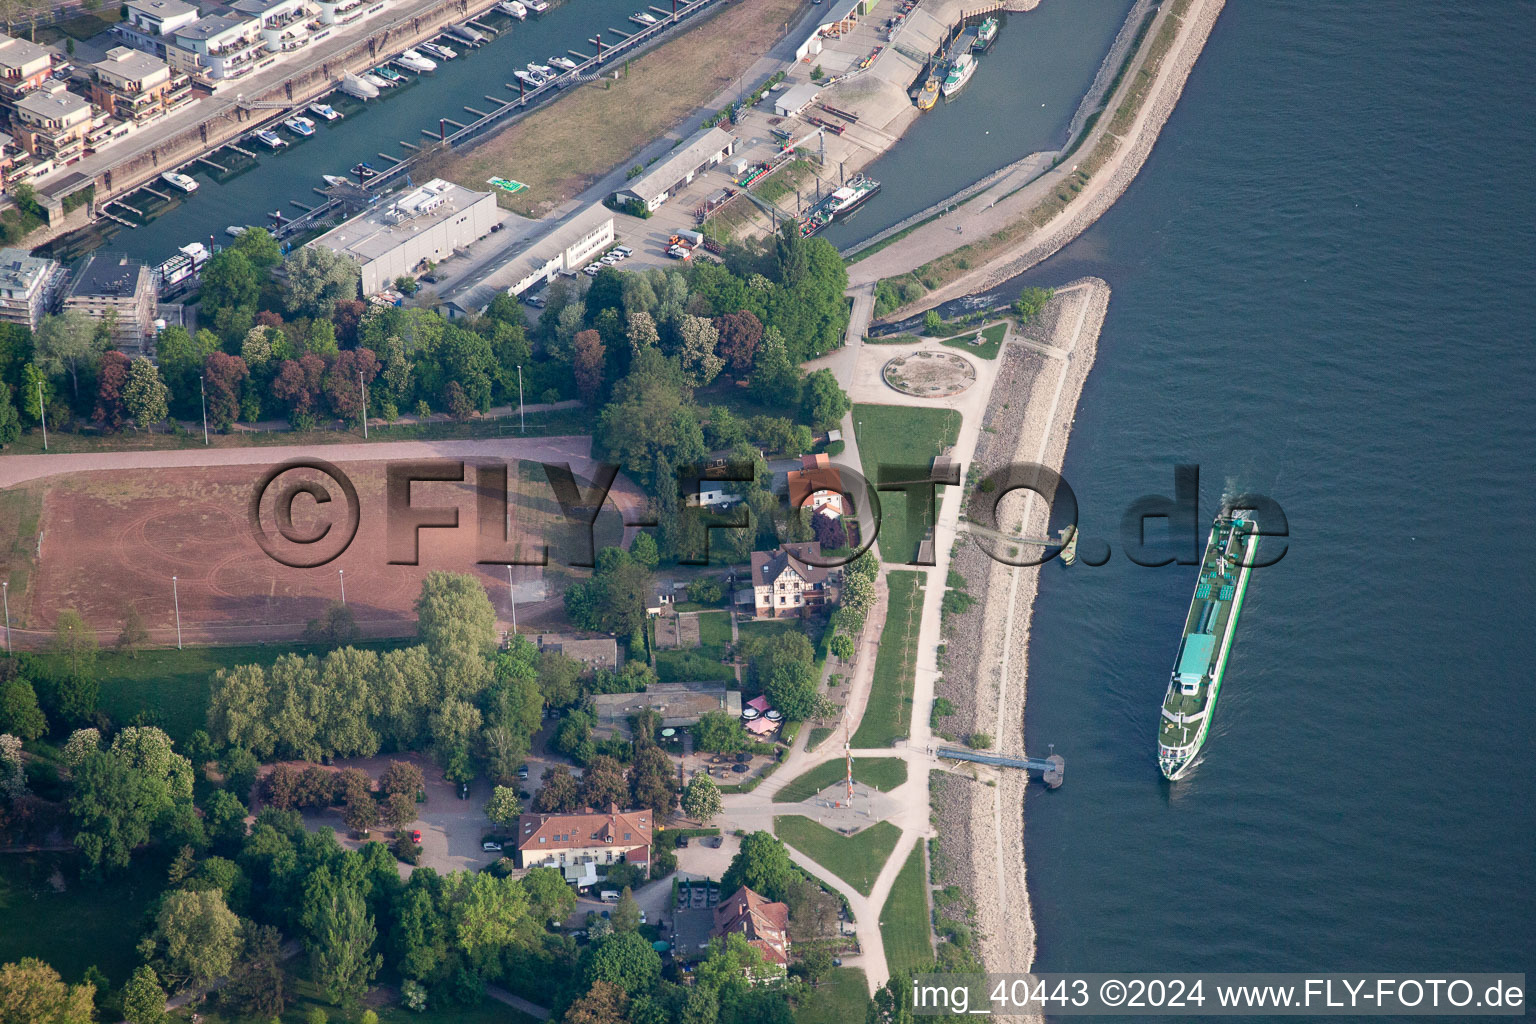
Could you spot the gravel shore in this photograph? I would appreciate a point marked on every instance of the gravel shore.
(987, 647)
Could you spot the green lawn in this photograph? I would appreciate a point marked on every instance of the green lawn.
(86, 923)
(173, 686)
(715, 628)
(701, 665)
(904, 920)
(987, 349)
(855, 859)
(904, 441)
(842, 998)
(888, 715)
(773, 627)
(883, 773)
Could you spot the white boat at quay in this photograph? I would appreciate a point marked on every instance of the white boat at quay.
(179, 181)
(414, 61)
(513, 8)
(439, 51)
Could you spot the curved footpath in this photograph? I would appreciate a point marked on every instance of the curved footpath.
(982, 216)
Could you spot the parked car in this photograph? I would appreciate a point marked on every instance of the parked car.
(682, 841)
(416, 836)
(522, 771)
(491, 846)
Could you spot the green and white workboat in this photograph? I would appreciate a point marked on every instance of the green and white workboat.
(1208, 632)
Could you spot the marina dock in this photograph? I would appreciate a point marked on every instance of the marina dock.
(1051, 769)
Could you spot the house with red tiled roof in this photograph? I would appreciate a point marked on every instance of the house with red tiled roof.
(783, 583)
(763, 923)
(818, 487)
(610, 836)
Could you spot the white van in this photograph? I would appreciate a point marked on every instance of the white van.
(609, 896)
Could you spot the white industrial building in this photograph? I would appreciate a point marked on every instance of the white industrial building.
(426, 224)
(568, 247)
(793, 100)
(678, 168)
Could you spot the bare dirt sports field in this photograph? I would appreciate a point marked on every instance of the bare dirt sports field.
(113, 539)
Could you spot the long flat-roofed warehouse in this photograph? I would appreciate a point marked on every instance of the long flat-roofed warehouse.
(678, 168)
(426, 224)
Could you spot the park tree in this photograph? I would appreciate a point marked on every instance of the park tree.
(650, 414)
(829, 532)
(343, 382)
(111, 383)
(13, 772)
(334, 627)
(406, 689)
(503, 807)
(339, 934)
(231, 287)
(825, 402)
(238, 706)
(701, 799)
(67, 344)
(257, 986)
(361, 815)
(550, 898)
(640, 332)
(80, 745)
(20, 714)
(296, 705)
(698, 337)
(559, 793)
(316, 278)
(792, 689)
(10, 419)
(588, 361)
(143, 998)
(1031, 302)
(841, 646)
(399, 809)
(297, 384)
(454, 614)
(626, 913)
(775, 380)
(603, 783)
(259, 248)
(145, 394)
(602, 1003)
(346, 681)
(719, 733)
(739, 334)
(762, 865)
(31, 991)
(651, 780)
(223, 374)
(402, 777)
(198, 936)
(626, 960)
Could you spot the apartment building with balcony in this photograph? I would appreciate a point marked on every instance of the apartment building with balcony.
(24, 67)
(286, 25)
(53, 123)
(346, 12)
(135, 87)
(219, 47)
(30, 287)
(150, 25)
(121, 290)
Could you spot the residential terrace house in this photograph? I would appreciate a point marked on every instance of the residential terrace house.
(24, 66)
(135, 87)
(764, 923)
(54, 124)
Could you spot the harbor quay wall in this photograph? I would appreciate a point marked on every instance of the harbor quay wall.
(304, 85)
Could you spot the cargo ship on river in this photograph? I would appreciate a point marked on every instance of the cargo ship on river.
(836, 203)
(1195, 685)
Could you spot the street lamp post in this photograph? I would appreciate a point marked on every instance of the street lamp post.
(42, 414)
(364, 389)
(341, 574)
(522, 424)
(176, 598)
(5, 588)
(202, 394)
(512, 596)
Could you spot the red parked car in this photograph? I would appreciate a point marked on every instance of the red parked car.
(416, 836)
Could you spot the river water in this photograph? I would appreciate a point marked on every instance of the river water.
(1322, 292)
